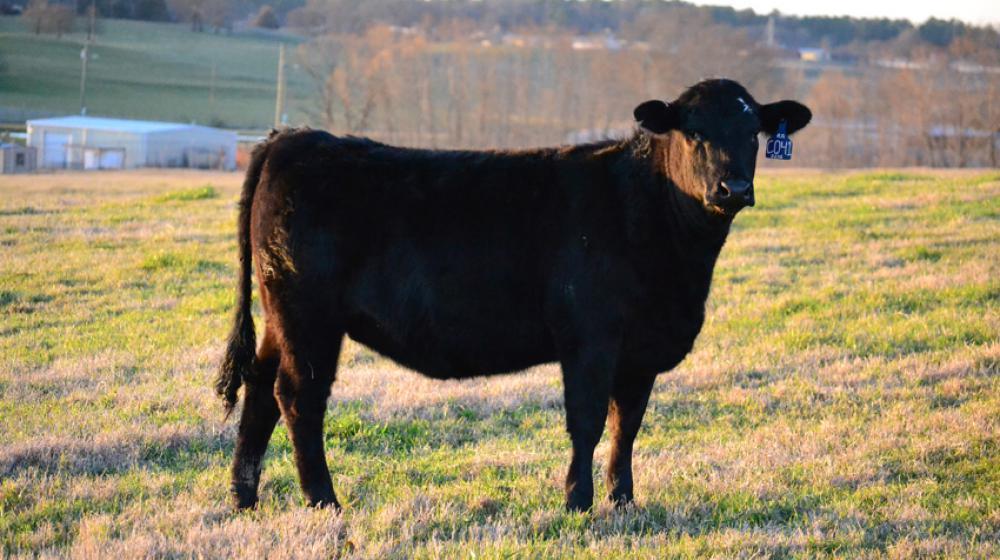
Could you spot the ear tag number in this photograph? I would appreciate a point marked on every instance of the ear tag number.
(779, 146)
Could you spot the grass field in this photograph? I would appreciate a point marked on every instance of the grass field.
(843, 399)
(153, 71)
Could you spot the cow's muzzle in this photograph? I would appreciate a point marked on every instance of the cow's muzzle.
(731, 195)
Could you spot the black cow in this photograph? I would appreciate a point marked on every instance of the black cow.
(465, 263)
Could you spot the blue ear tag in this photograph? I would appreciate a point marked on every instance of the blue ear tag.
(779, 146)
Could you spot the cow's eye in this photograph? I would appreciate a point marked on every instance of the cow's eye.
(697, 137)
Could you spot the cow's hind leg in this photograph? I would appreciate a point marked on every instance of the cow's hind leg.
(260, 414)
(304, 379)
(629, 397)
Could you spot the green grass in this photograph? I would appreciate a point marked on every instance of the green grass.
(146, 70)
(843, 399)
(187, 195)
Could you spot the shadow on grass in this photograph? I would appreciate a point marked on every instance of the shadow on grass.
(27, 211)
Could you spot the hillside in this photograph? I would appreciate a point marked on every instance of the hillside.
(144, 70)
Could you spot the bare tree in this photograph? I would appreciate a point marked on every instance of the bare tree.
(448, 83)
(218, 14)
(42, 17)
(193, 11)
(319, 59)
(35, 15)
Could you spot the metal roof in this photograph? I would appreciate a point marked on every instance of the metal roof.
(101, 123)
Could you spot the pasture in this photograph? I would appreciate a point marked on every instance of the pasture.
(842, 400)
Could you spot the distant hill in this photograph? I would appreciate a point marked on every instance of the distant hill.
(583, 16)
(161, 71)
(590, 16)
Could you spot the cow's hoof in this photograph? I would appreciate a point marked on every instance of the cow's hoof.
(621, 497)
(621, 501)
(325, 503)
(243, 500)
(576, 503)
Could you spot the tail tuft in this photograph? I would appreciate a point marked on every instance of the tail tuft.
(237, 364)
(241, 351)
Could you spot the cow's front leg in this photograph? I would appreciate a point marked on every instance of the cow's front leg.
(587, 377)
(629, 397)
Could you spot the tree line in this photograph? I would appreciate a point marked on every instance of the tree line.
(901, 102)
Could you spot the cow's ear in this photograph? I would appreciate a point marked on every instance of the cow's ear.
(657, 117)
(795, 114)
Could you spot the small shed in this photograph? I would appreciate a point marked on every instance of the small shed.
(15, 158)
(79, 142)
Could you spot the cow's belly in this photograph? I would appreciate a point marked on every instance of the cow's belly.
(437, 354)
(448, 325)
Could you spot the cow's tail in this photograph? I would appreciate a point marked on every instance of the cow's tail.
(241, 350)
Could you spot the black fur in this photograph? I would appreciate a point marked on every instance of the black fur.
(461, 263)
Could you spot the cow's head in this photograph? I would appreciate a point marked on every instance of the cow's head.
(709, 140)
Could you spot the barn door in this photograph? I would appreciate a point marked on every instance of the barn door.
(54, 149)
(91, 158)
(112, 159)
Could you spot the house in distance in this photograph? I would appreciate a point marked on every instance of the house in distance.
(81, 142)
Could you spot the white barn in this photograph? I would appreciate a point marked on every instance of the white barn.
(78, 142)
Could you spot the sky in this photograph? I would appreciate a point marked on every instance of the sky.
(917, 11)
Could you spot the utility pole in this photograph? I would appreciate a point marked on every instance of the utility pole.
(92, 17)
(279, 102)
(85, 56)
(993, 147)
(211, 89)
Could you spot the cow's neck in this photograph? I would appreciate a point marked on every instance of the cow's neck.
(696, 239)
(665, 225)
